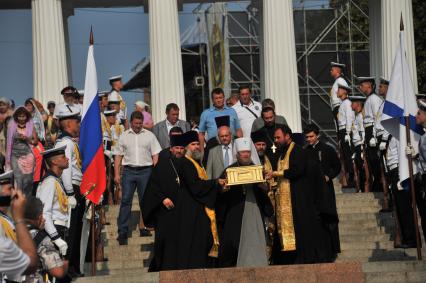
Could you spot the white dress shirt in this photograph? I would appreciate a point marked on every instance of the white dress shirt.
(137, 149)
(71, 175)
(358, 132)
(372, 109)
(46, 192)
(230, 154)
(335, 100)
(245, 117)
(346, 116)
(170, 125)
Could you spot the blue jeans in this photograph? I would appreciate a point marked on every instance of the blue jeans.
(131, 179)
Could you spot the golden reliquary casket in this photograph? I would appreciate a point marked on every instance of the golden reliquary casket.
(244, 175)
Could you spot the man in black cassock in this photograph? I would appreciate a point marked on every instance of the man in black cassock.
(326, 166)
(243, 241)
(297, 226)
(198, 241)
(159, 205)
(166, 152)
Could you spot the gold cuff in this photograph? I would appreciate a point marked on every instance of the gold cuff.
(277, 174)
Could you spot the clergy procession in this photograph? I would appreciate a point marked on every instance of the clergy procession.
(239, 190)
(242, 187)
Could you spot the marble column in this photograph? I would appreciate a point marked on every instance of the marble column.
(166, 58)
(279, 51)
(390, 18)
(374, 15)
(50, 72)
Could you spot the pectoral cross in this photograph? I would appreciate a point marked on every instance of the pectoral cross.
(178, 180)
(274, 148)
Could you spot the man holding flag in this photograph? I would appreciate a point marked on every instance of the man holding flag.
(421, 178)
(93, 182)
(398, 119)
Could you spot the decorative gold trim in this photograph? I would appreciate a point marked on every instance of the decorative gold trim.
(244, 175)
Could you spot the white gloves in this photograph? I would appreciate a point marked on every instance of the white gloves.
(354, 156)
(382, 146)
(348, 139)
(72, 202)
(62, 246)
(372, 142)
(409, 150)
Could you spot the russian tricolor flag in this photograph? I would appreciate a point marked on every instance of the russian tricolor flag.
(93, 163)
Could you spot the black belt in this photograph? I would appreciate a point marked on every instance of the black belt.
(137, 167)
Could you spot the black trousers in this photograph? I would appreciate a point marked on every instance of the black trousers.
(74, 232)
(421, 199)
(347, 155)
(403, 208)
(359, 162)
(373, 160)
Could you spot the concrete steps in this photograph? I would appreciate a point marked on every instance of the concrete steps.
(125, 263)
(366, 237)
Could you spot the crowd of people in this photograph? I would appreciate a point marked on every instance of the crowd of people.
(179, 171)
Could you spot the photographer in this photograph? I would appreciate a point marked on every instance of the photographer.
(18, 258)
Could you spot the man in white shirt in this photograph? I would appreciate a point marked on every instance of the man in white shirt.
(371, 118)
(137, 152)
(16, 258)
(247, 110)
(346, 118)
(336, 71)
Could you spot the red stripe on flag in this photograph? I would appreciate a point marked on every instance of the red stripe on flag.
(95, 176)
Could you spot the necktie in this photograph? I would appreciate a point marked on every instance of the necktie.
(226, 161)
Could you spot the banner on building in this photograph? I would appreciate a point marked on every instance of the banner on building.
(218, 49)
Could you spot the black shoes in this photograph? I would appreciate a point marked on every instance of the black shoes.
(122, 241)
(145, 232)
(406, 246)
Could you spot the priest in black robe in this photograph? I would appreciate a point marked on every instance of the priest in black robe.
(159, 204)
(243, 239)
(325, 166)
(197, 237)
(295, 210)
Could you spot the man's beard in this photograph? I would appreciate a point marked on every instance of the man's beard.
(197, 155)
(244, 161)
(261, 153)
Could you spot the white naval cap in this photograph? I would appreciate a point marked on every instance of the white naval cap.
(422, 105)
(340, 65)
(242, 144)
(65, 111)
(347, 88)
(53, 152)
(358, 97)
(110, 112)
(384, 81)
(6, 177)
(366, 79)
(103, 93)
(113, 97)
(115, 78)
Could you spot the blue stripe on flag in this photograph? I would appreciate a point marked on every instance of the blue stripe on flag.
(90, 134)
(393, 110)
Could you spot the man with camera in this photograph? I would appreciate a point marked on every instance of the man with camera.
(16, 257)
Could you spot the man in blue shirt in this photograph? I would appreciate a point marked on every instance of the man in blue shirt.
(208, 124)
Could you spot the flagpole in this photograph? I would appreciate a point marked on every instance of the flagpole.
(410, 162)
(93, 242)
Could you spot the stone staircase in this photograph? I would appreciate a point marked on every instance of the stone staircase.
(125, 263)
(366, 236)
